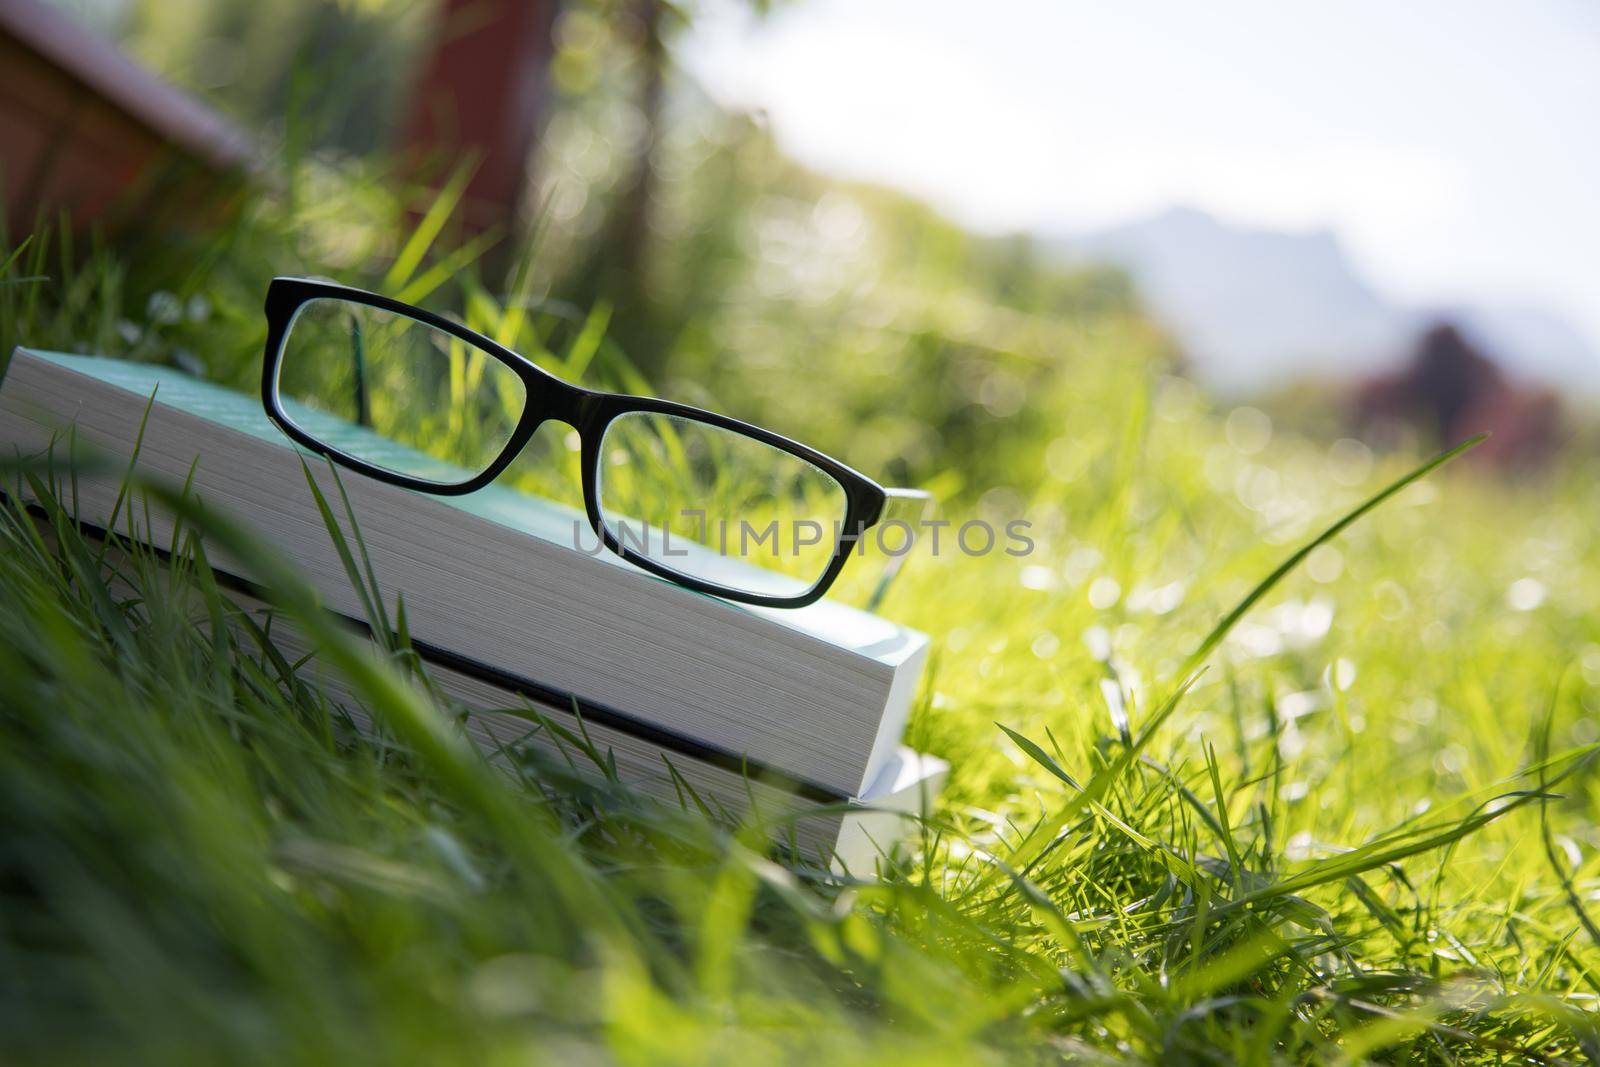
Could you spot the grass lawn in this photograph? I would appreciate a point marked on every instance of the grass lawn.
(1355, 821)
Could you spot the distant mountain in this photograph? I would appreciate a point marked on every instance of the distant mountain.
(1255, 308)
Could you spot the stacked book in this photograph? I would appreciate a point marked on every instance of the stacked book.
(792, 717)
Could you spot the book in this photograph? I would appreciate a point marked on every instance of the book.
(844, 837)
(804, 706)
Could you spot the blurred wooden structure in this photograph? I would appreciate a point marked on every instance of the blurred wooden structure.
(479, 100)
(85, 130)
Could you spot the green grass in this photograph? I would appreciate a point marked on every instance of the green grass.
(1204, 806)
(204, 859)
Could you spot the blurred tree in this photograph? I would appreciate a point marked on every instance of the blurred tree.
(1450, 390)
(617, 267)
(643, 24)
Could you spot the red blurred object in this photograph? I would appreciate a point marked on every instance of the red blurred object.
(480, 98)
(86, 130)
(1450, 391)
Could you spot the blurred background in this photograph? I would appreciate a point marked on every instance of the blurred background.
(914, 232)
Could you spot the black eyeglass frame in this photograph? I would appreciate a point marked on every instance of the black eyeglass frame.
(589, 412)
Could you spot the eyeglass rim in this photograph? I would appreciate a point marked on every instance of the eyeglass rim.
(587, 411)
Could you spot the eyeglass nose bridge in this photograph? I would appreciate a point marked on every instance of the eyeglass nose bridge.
(553, 400)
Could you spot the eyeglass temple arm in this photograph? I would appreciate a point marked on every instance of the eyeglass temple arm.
(909, 506)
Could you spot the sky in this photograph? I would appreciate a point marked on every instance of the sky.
(1454, 147)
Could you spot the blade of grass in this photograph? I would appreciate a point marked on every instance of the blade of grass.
(1263, 587)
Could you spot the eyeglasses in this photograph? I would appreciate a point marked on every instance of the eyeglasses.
(417, 400)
